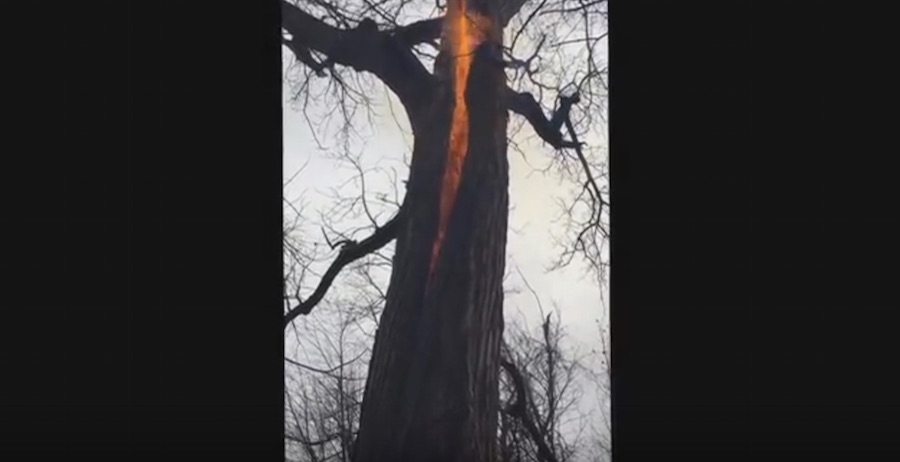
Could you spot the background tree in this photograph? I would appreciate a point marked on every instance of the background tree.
(341, 46)
(540, 390)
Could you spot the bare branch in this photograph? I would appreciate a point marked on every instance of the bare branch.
(429, 30)
(304, 56)
(582, 7)
(527, 20)
(363, 48)
(525, 105)
(424, 31)
(518, 410)
(322, 371)
(584, 164)
(350, 252)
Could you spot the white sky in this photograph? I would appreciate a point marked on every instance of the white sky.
(533, 198)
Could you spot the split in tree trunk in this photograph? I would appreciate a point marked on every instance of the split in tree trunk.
(432, 389)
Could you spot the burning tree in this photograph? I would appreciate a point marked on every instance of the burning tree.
(432, 388)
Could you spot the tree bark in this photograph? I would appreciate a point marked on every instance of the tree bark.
(432, 389)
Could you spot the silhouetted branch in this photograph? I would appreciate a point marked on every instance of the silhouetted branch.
(363, 48)
(350, 252)
(525, 105)
(519, 410)
(582, 7)
(428, 30)
(546, 425)
(584, 164)
(304, 56)
(322, 371)
(527, 20)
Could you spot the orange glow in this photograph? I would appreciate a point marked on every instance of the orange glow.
(464, 31)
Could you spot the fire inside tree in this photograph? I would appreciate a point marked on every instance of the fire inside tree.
(432, 387)
(463, 33)
(435, 363)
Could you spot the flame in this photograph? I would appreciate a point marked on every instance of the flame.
(464, 31)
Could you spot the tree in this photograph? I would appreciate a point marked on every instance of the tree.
(539, 391)
(435, 365)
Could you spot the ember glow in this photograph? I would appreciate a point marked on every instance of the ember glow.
(463, 32)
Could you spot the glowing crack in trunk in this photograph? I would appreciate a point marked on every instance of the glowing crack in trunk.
(464, 30)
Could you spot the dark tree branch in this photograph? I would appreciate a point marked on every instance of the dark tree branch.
(582, 7)
(363, 48)
(549, 130)
(525, 24)
(304, 56)
(584, 164)
(526, 64)
(547, 424)
(525, 105)
(311, 443)
(562, 114)
(426, 30)
(519, 410)
(328, 372)
(388, 56)
(350, 252)
(518, 405)
(429, 30)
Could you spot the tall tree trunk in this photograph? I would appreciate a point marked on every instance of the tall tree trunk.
(432, 389)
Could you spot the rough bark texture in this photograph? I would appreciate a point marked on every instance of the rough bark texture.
(432, 390)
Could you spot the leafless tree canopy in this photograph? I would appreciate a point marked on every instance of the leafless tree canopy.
(540, 389)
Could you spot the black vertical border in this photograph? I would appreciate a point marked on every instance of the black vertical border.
(149, 322)
(754, 249)
(754, 231)
(680, 130)
(211, 272)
